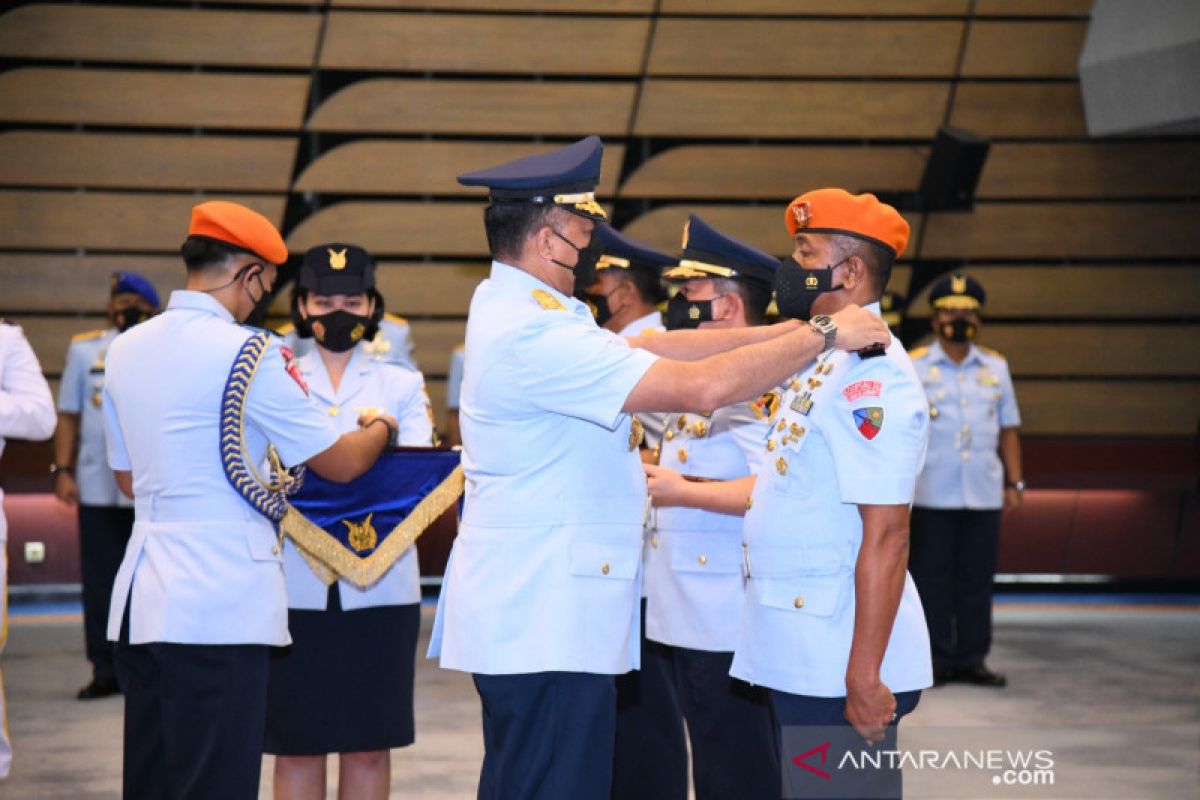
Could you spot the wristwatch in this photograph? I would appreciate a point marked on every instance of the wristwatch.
(824, 325)
(57, 468)
(1018, 485)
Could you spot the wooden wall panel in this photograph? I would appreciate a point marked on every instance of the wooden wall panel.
(789, 109)
(433, 341)
(998, 110)
(553, 6)
(1066, 230)
(42, 282)
(1033, 8)
(132, 97)
(715, 172)
(816, 7)
(133, 161)
(1108, 408)
(1128, 169)
(457, 43)
(376, 166)
(1048, 350)
(729, 47)
(436, 288)
(107, 221)
(397, 228)
(477, 107)
(1063, 292)
(128, 34)
(1025, 49)
(50, 336)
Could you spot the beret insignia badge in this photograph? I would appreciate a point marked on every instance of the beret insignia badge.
(803, 213)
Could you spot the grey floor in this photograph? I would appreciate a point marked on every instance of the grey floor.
(1112, 691)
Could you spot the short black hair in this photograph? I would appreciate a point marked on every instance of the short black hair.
(508, 225)
(755, 297)
(202, 252)
(877, 258)
(648, 286)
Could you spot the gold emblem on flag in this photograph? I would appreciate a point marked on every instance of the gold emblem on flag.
(362, 535)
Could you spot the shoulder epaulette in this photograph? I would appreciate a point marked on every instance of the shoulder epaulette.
(547, 300)
(88, 336)
(918, 352)
(394, 318)
(989, 351)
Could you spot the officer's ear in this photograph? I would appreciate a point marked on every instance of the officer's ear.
(856, 272)
(734, 305)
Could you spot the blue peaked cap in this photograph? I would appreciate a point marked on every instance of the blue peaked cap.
(565, 177)
(123, 282)
(622, 252)
(708, 253)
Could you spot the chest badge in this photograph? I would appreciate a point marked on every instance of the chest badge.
(636, 434)
(869, 421)
(292, 368)
(781, 465)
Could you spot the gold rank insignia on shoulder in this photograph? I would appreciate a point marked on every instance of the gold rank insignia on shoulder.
(636, 433)
(87, 336)
(337, 260)
(547, 300)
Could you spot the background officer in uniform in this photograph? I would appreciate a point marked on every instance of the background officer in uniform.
(832, 623)
(200, 596)
(82, 475)
(973, 470)
(454, 378)
(26, 412)
(541, 594)
(693, 557)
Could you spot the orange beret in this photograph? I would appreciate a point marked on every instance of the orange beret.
(239, 226)
(838, 211)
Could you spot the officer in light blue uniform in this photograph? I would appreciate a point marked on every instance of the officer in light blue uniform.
(693, 557)
(26, 412)
(972, 472)
(82, 475)
(191, 402)
(832, 623)
(651, 749)
(541, 594)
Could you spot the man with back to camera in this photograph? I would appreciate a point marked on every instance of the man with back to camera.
(540, 599)
(972, 473)
(193, 402)
(82, 476)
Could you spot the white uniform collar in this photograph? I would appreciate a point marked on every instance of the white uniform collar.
(652, 321)
(186, 299)
(506, 275)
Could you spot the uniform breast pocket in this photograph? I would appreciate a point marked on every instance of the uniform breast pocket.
(602, 560)
(264, 545)
(812, 595)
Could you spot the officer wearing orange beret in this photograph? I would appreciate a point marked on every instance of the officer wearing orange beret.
(194, 403)
(831, 620)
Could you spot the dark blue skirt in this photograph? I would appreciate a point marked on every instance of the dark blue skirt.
(346, 682)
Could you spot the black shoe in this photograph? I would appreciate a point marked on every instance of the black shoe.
(980, 675)
(99, 687)
(941, 676)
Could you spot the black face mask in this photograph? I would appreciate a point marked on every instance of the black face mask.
(585, 264)
(959, 330)
(684, 313)
(257, 317)
(796, 288)
(598, 303)
(339, 330)
(126, 318)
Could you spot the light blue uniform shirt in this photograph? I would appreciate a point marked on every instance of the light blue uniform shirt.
(367, 386)
(693, 558)
(860, 442)
(454, 378)
(968, 404)
(80, 392)
(202, 566)
(544, 572)
(652, 423)
(26, 407)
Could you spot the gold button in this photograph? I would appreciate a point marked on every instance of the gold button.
(669, 435)
(782, 425)
(682, 423)
(700, 428)
(703, 560)
(770, 445)
(333, 411)
(654, 542)
(781, 465)
(933, 412)
(966, 456)
(682, 455)
(749, 503)
(275, 550)
(799, 602)
(604, 569)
